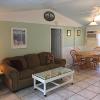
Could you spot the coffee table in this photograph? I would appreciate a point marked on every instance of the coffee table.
(52, 79)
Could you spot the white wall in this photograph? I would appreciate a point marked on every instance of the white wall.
(93, 42)
(98, 39)
(37, 16)
(93, 28)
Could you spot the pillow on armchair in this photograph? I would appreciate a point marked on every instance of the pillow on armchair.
(50, 58)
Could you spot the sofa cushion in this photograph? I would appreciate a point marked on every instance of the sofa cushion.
(45, 67)
(32, 60)
(19, 59)
(51, 66)
(27, 73)
(17, 64)
(43, 58)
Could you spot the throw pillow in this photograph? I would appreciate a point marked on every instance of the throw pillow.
(17, 64)
(50, 58)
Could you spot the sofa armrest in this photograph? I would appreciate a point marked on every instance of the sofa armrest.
(9, 71)
(59, 61)
(11, 76)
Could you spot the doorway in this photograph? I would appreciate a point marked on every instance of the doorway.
(56, 42)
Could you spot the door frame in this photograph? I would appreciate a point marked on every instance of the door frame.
(62, 37)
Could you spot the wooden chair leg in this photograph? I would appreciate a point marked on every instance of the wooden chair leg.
(78, 69)
(94, 64)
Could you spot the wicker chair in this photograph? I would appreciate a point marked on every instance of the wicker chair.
(92, 61)
(98, 56)
(72, 53)
(78, 60)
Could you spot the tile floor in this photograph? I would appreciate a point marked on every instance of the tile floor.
(86, 87)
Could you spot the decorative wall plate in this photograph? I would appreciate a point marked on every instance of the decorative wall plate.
(49, 16)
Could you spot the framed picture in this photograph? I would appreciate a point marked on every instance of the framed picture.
(18, 37)
(68, 32)
(78, 32)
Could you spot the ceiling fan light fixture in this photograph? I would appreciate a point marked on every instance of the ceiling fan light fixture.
(93, 23)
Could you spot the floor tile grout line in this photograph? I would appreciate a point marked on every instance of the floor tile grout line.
(82, 90)
(83, 96)
(93, 91)
(94, 97)
(70, 96)
(88, 90)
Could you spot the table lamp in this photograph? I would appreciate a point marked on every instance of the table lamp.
(1, 70)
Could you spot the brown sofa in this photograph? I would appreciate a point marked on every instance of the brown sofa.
(16, 79)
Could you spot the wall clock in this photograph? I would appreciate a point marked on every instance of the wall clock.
(49, 16)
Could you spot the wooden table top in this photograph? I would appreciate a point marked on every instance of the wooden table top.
(89, 53)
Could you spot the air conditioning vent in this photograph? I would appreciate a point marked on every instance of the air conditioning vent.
(91, 34)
